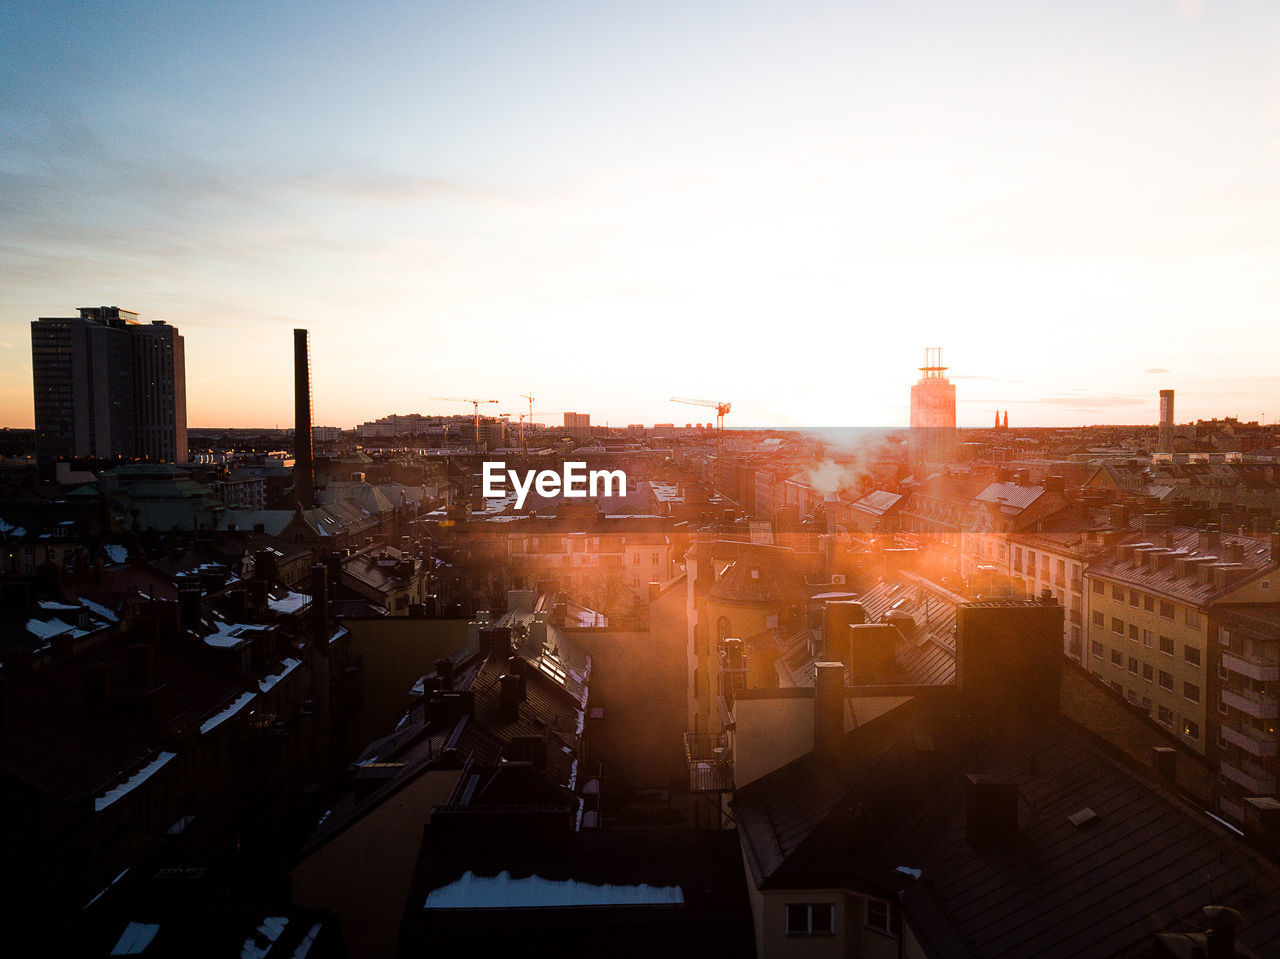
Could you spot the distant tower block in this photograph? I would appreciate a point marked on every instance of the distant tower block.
(1164, 441)
(933, 415)
(304, 478)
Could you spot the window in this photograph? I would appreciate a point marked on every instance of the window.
(1133, 665)
(1166, 609)
(1096, 648)
(1165, 715)
(1117, 626)
(1149, 603)
(1148, 673)
(1222, 707)
(1133, 597)
(1191, 654)
(1098, 618)
(1166, 681)
(1191, 691)
(1191, 729)
(1148, 638)
(1191, 617)
(654, 560)
(1117, 593)
(1098, 587)
(1166, 645)
(1116, 658)
(882, 917)
(810, 919)
(635, 559)
(1133, 632)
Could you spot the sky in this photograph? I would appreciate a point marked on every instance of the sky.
(606, 205)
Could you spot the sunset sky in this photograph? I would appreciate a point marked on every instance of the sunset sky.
(606, 204)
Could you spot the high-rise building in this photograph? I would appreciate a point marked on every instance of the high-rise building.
(933, 414)
(578, 424)
(108, 386)
(1164, 440)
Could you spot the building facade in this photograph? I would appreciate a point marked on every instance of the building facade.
(109, 387)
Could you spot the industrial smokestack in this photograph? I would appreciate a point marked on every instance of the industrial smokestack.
(304, 467)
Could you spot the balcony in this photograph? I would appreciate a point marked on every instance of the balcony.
(1252, 741)
(1257, 705)
(1255, 780)
(710, 762)
(1258, 669)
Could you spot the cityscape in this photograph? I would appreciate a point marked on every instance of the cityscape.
(681, 480)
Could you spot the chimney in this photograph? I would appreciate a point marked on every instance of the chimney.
(1275, 549)
(538, 630)
(189, 605)
(1054, 484)
(1209, 538)
(828, 711)
(871, 653)
(1262, 822)
(515, 667)
(1009, 654)
(991, 812)
(264, 564)
(1119, 516)
(495, 642)
(1165, 761)
(97, 688)
(838, 616)
(320, 606)
(444, 672)
(140, 665)
(509, 704)
(304, 476)
(1220, 941)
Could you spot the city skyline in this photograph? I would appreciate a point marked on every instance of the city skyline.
(1078, 205)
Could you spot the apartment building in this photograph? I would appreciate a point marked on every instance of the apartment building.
(1247, 641)
(1154, 622)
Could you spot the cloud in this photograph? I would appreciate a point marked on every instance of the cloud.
(1156, 369)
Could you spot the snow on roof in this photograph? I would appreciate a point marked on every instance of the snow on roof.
(289, 665)
(291, 602)
(133, 782)
(116, 553)
(135, 938)
(534, 892)
(230, 635)
(99, 610)
(260, 943)
(48, 628)
(217, 719)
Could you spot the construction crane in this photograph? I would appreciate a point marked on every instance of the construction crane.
(722, 408)
(474, 403)
(528, 397)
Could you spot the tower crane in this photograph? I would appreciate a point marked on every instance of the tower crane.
(475, 405)
(722, 408)
(528, 397)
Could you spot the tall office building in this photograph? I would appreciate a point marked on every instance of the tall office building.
(933, 414)
(107, 386)
(579, 425)
(1164, 438)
